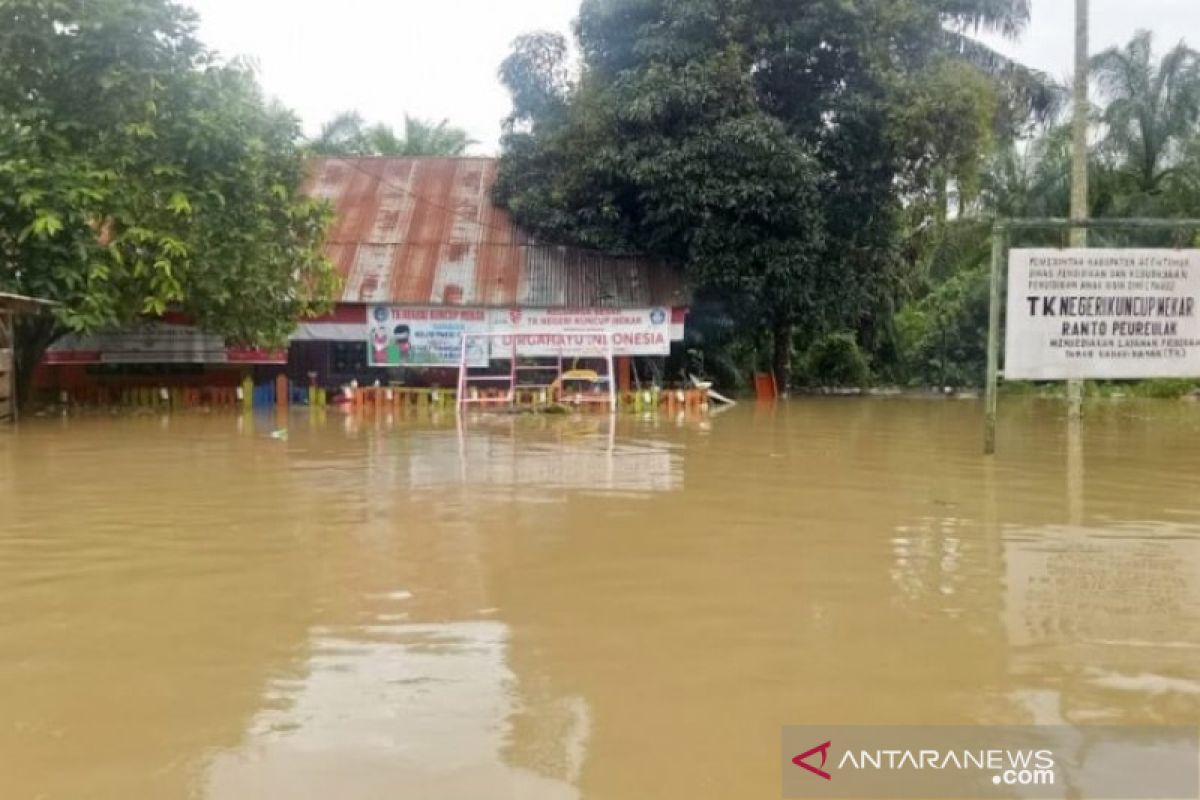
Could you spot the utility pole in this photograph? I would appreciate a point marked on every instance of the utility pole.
(1079, 164)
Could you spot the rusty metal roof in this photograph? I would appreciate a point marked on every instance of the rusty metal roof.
(22, 304)
(424, 231)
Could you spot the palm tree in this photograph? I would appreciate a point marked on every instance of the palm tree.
(1152, 108)
(347, 135)
(1029, 178)
(425, 138)
(382, 141)
(1029, 98)
(341, 136)
(1007, 17)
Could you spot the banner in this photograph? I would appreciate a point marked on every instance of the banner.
(427, 336)
(1103, 313)
(549, 332)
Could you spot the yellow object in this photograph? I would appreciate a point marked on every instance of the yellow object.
(580, 375)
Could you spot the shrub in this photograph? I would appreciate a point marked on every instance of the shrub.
(836, 360)
(1164, 388)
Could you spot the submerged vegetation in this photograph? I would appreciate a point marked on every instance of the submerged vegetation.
(826, 173)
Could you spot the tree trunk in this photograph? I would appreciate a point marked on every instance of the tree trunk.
(34, 334)
(782, 356)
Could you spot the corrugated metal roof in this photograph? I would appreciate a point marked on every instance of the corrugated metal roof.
(425, 231)
(21, 303)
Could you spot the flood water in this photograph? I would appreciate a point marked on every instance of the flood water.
(560, 608)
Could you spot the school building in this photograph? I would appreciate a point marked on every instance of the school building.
(424, 255)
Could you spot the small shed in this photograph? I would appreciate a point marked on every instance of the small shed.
(10, 306)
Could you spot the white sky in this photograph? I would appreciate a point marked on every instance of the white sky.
(438, 58)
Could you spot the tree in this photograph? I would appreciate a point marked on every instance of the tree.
(347, 134)
(344, 135)
(537, 75)
(138, 174)
(1146, 162)
(1151, 112)
(670, 158)
(769, 147)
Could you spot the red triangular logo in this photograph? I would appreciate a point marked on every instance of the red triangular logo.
(823, 749)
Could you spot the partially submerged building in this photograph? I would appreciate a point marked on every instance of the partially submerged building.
(10, 306)
(424, 255)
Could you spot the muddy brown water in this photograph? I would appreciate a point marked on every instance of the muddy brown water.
(560, 608)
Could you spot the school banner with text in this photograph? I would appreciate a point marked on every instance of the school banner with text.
(550, 332)
(403, 336)
(1102, 314)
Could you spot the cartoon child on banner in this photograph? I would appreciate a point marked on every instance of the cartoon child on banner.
(381, 337)
(403, 344)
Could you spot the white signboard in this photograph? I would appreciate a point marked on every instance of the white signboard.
(432, 336)
(1103, 314)
(550, 332)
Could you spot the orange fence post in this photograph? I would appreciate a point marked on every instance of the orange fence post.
(281, 391)
(764, 386)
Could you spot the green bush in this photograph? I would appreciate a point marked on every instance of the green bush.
(942, 336)
(836, 360)
(1167, 388)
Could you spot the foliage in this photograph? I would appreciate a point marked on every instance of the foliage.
(835, 359)
(943, 120)
(1029, 178)
(1151, 111)
(347, 134)
(138, 174)
(769, 147)
(1165, 388)
(1146, 163)
(943, 334)
(537, 75)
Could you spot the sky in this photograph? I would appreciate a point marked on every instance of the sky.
(438, 58)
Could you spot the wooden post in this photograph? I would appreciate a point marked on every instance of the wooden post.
(8, 383)
(624, 373)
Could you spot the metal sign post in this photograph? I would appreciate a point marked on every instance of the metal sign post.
(999, 251)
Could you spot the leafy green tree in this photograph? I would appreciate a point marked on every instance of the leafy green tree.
(537, 75)
(941, 332)
(672, 157)
(138, 174)
(770, 147)
(347, 134)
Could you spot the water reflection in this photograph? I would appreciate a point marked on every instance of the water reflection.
(1088, 611)
(394, 709)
